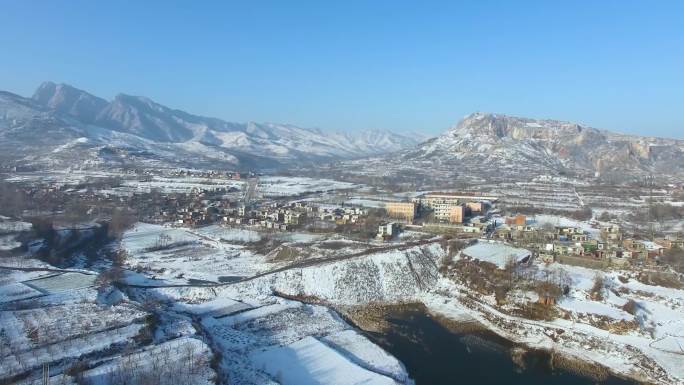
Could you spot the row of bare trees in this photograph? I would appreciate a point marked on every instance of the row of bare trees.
(165, 366)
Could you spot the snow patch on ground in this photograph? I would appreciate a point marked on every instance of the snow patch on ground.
(288, 186)
(495, 252)
(310, 362)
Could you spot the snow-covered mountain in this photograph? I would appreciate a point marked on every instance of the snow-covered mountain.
(130, 127)
(485, 142)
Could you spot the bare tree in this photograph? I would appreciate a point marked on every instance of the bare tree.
(597, 287)
(122, 220)
(76, 211)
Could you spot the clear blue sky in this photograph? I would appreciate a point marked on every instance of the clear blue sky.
(353, 65)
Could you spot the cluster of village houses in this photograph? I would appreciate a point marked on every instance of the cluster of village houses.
(570, 244)
(471, 213)
(208, 174)
(275, 215)
(467, 213)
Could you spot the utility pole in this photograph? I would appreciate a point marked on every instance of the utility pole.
(650, 181)
(46, 374)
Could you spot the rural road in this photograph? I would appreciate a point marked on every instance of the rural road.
(251, 189)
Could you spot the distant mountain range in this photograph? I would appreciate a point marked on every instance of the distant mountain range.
(492, 143)
(64, 126)
(61, 124)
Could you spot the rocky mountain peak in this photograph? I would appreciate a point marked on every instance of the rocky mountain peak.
(489, 126)
(70, 100)
(547, 146)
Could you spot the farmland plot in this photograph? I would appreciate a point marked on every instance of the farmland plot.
(183, 360)
(62, 282)
(202, 254)
(290, 186)
(294, 343)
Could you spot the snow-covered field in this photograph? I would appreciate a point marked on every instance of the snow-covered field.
(555, 220)
(311, 362)
(56, 328)
(14, 291)
(61, 177)
(67, 321)
(62, 282)
(229, 234)
(288, 186)
(9, 229)
(7, 225)
(352, 344)
(130, 184)
(365, 203)
(267, 339)
(495, 252)
(295, 343)
(201, 254)
(184, 360)
(539, 195)
(179, 185)
(8, 242)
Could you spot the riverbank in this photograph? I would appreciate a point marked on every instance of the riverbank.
(438, 350)
(582, 347)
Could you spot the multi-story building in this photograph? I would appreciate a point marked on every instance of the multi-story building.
(401, 210)
(442, 206)
(431, 200)
(475, 207)
(456, 214)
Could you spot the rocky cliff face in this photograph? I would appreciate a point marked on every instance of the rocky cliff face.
(550, 146)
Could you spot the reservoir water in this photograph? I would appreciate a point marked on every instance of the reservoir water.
(435, 355)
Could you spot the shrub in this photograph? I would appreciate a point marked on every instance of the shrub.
(675, 258)
(538, 311)
(631, 307)
(597, 287)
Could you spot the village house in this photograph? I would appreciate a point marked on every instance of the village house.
(670, 242)
(293, 218)
(504, 233)
(653, 249)
(387, 230)
(566, 248)
(611, 234)
(636, 249)
(518, 220)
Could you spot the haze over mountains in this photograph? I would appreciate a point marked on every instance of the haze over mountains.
(62, 125)
(134, 128)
